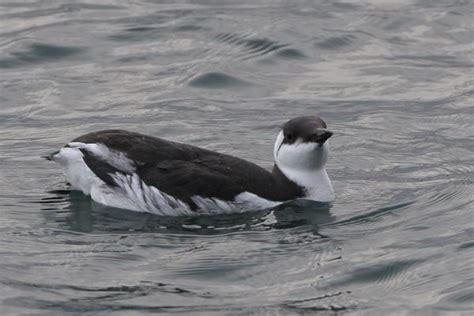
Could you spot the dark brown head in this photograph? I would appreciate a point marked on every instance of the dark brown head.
(302, 143)
(305, 129)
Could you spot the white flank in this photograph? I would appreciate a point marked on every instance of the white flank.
(75, 169)
(133, 194)
(114, 158)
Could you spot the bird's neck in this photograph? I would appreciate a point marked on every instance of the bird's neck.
(315, 183)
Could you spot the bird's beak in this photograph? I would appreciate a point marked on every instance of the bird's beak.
(321, 136)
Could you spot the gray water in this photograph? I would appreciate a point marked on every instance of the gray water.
(393, 79)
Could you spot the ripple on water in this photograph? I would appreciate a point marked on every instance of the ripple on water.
(38, 53)
(217, 80)
(105, 298)
(290, 53)
(431, 61)
(335, 302)
(336, 42)
(372, 216)
(257, 47)
(389, 273)
(115, 290)
(466, 245)
(139, 33)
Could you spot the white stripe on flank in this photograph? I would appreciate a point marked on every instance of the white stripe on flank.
(133, 194)
(115, 158)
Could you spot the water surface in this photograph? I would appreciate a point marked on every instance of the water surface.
(393, 80)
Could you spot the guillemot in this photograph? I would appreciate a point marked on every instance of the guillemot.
(144, 173)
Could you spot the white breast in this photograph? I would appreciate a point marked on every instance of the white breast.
(304, 164)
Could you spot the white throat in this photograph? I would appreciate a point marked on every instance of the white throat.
(304, 163)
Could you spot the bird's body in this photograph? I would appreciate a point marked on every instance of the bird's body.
(144, 173)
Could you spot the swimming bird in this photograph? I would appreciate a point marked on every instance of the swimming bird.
(144, 173)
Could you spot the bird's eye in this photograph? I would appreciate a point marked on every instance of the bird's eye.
(289, 137)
